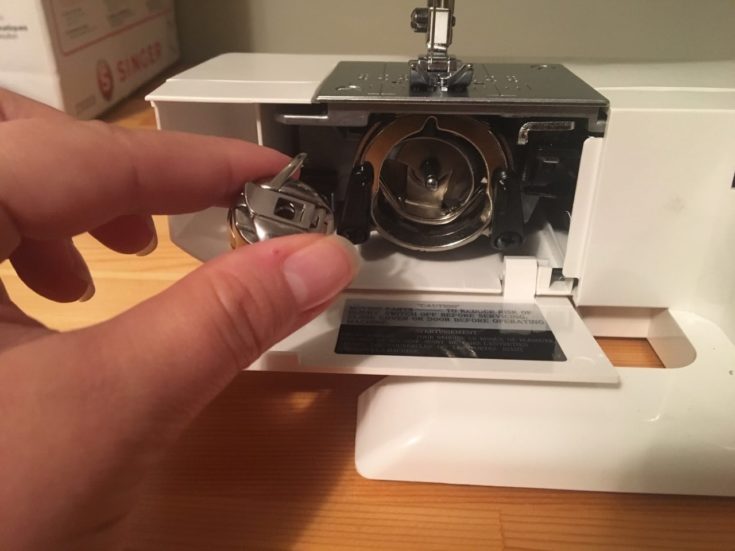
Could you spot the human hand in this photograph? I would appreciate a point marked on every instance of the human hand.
(84, 415)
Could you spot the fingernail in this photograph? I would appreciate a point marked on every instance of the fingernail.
(148, 249)
(88, 294)
(79, 266)
(9, 235)
(321, 270)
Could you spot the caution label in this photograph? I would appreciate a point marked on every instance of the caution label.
(454, 330)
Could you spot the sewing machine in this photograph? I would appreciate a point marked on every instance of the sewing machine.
(507, 214)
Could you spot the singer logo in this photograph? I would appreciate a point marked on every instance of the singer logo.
(105, 79)
(139, 61)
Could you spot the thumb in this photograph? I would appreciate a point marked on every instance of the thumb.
(105, 402)
(179, 349)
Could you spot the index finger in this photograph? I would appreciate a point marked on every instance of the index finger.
(61, 178)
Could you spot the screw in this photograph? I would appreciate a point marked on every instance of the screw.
(508, 240)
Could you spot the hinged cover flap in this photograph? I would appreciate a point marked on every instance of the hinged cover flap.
(446, 335)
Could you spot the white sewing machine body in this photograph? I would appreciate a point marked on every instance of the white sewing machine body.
(648, 253)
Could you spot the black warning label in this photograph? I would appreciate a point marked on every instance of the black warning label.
(454, 330)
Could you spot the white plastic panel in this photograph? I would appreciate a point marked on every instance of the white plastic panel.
(215, 119)
(465, 270)
(236, 92)
(664, 173)
(204, 235)
(266, 67)
(312, 348)
(713, 296)
(694, 75)
(255, 78)
(659, 431)
(584, 195)
(657, 326)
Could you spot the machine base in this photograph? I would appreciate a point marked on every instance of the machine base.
(666, 431)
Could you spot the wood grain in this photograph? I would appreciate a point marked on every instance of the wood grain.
(269, 465)
(629, 352)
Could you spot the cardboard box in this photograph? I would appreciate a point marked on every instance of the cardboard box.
(83, 56)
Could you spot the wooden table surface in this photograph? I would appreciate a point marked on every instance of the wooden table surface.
(269, 465)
